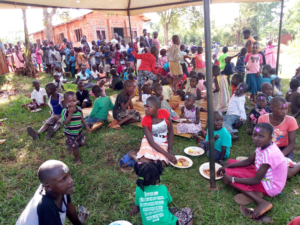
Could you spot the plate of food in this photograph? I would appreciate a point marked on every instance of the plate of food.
(183, 162)
(36, 110)
(194, 151)
(121, 222)
(181, 120)
(205, 172)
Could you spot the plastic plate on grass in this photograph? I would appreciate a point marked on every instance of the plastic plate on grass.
(205, 166)
(37, 110)
(121, 222)
(183, 157)
(194, 151)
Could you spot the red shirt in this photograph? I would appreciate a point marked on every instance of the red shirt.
(233, 89)
(162, 114)
(135, 47)
(148, 61)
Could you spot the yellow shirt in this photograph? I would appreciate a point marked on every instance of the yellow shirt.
(167, 92)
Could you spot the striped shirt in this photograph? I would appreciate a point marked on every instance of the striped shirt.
(275, 178)
(74, 127)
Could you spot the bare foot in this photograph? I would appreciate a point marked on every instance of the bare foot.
(132, 155)
(253, 103)
(261, 208)
(78, 162)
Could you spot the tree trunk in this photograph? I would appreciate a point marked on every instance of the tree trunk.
(47, 19)
(166, 38)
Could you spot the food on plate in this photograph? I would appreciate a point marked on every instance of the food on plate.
(194, 152)
(207, 173)
(181, 162)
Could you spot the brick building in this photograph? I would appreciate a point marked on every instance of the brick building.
(92, 25)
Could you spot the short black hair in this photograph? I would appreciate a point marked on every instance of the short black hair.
(268, 127)
(217, 112)
(268, 67)
(51, 86)
(192, 96)
(68, 93)
(262, 95)
(192, 73)
(277, 99)
(201, 76)
(216, 68)
(175, 37)
(96, 90)
(195, 77)
(272, 71)
(127, 83)
(239, 77)
(244, 86)
(247, 32)
(148, 173)
(165, 81)
(146, 86)
(225, 49)
(256, 43)
(48, 169)
(155, 101)
(156, 85)
(294, 83)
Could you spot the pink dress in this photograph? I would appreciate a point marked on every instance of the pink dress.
(269, 55)
(38, 57)
(18, 63)
(189, 128)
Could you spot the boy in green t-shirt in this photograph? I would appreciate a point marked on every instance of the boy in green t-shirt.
(222, 58)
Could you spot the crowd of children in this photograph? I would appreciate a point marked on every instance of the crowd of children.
(135, 69)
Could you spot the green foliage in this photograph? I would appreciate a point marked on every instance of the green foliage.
(292, 20)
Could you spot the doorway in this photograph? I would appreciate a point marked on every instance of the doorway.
(119, 31)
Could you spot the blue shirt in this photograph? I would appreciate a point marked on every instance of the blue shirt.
(67, 51)
(125, 76)
(240, 64)
(88, 73)
(130, 57)
(223, 140)
(56, 106)
(72, 59)
(106, 55)
(97, 57)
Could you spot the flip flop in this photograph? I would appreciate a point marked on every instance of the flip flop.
(97, 125)
(117, 127)
(126, 161)
(242, 199)
(32, 133)
(248, 212)
(112, 123)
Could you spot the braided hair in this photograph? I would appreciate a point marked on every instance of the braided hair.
(148, 173)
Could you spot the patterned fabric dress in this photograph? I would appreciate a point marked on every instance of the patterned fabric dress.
(194, 91)
(221, 98)
(166, 105)
(159, 133)
(189, 128)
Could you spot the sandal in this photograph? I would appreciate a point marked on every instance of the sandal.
(97, 125)
(117, 127)
(114, 122)
(126, 161)
(248, 212)
(32, 133)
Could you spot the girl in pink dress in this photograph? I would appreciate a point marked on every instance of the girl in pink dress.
(269, 54)
(161, 63)
(18, 59)
(38, 56)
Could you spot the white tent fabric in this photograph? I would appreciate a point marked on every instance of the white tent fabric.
(121, 7)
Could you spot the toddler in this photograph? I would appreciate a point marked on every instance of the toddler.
(222, 58)
(267, 88)
(240, 63)
(184, 61)
(58, 83)
(147, 92)
(82, 95)
(235, 81)
(38, 97)
(130, 57)
(116, 83)
(201, 82)
(199, 62)
(161, 63)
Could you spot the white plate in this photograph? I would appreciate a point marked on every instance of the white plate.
(206, 166)
(201, 150)
(37, 110)
(186, 158)
(121, 222)
(181, 120)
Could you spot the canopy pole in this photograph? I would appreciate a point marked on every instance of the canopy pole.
(279, 37)
(209, 81)
(128, 13)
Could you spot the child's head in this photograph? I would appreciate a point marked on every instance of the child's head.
(270, 42)
(58, 69)
(279, 107)
(131, 77)
(56, 178)
(137, 39)
(193, 49)
(272, 71)
(83, 68)
(241, 89)
(129, 87)
(56, 77)
(146, 49)
(297, 71)
(218, 120)
(155, 34)
(214, 56)
(112, 48)
(101, 83)
(79, 49)
(97, 91)
(72, 52)
(123, 41)
(151, 106)
(113, 72)
(93, 42)
(225, 49)
(80, 86)
(201, 76)
(243, 51)
(261, 100)
(255, 47)
(50, 88)
(122, 56)
(70, 99)
(194, 81)
(101, 69)
(255, 37)
(236, 79)
(266, 88)
(246, 34)
(165, 81)
(216, 70)
(94, 67)
(189, 100)
(87, 51)
(294, 84)
(199, 50)
(147, 89)
(36, 84)
(182, 47)
(52, 47)
(158, 77)
(118, 47)
(262, 135)
(193, 73)
(148, 173)
(154, 51)
(176, 39)
(266, 69)
(163, 52)
(56, 47)
(130, 44)
(157, 88)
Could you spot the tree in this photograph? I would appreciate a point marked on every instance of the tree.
(291, 21)
(47, 19)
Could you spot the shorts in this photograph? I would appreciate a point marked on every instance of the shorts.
(184, 216)
(107, 68)
(74, 141)
(143, 76)
(51, 120)
(245, 172)
(202, 70)
(175, 68)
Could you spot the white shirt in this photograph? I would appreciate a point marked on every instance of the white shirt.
(39, 95)
(236, 106)
(59, 84)
(182, 53)
(94, 74)
(124, 49)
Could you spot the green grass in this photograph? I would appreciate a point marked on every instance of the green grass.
(101, 185)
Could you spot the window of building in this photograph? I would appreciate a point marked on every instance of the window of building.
(100, 31)
(78, 35)
(61, 37)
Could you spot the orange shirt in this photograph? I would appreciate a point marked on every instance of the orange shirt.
(250, 46)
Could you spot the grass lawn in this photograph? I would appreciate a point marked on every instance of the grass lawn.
(105, 189)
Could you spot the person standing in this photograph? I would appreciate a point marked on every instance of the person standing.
(146, 38)
(250, 40)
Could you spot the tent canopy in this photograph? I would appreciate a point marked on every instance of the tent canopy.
(121, 7)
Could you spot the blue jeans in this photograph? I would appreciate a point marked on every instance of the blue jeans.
(228, 121)
(92, 120)
(204, 145)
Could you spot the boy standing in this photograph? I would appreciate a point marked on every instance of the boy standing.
(72, 118)
(199, 62)
(174, 58)
(38, 96)
(222, 58)
(51, 202)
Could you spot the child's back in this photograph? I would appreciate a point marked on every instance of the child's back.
(295, 102)
(222, 58)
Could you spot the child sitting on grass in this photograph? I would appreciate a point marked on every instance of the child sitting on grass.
(100, 83)
(38, 97)
(236, 111)
(129, 71)
(52, 124)
(193, 89)
(72, 118)
(123, 111)
(155, 145)
(295, 97)
(82, 95)
(147, 92)
(264, 171)
(154, 198)
(201, 82)
(191, 112)
(102, 74)
(51, 202)
(101, 107)
(58, 83)
(267, 88)
(116, 83)
(261, 109)
(94, 72)
(235, 81)
(167, 90)
(222, 139)
(294, 85)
